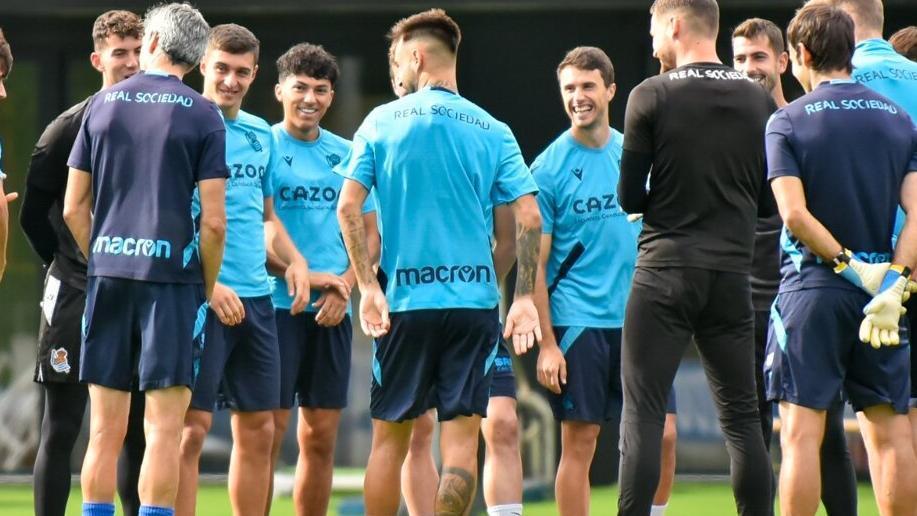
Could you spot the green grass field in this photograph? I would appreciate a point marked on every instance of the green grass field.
(688, 499)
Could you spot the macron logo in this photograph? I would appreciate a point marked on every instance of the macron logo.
(578, 172)
(289, 160)
(443, 274)
(132, 247)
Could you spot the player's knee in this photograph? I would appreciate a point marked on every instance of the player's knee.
(579, 440)
(317, 439)
(421, 441)
(255, 432)
(501, 431)
(192, 440)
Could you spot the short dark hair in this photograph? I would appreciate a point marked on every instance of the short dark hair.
(754, 28)
(6, 55)
(905, 42)
(308, 59)
(867, 12)
(123, 24)
(827, 33)
(434, 23)
(704, 13)
(589, 58)
(234, 39)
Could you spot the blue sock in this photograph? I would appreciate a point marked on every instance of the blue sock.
(98, 509)
(152, 510)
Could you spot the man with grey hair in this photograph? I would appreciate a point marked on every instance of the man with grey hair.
(145, 144)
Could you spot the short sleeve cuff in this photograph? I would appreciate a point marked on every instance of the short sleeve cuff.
(508, 196)
(782, 172)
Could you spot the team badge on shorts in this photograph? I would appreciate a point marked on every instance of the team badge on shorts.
(59, 361)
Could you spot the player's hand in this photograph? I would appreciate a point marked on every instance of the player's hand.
(883, 314)
(551, 367)
(522, 324)
(331, 308)
(867, 276)
(11, 196)
(634, 217)
(226, 305)
(909, 290)
(374, 312)
(297, 278)
(325, 281)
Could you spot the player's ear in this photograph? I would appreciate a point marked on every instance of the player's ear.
(611, 91)
(277, 94)
(254, 71)
(96, 60)
(783, 61)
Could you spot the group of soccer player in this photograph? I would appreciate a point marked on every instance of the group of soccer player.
(200, 258)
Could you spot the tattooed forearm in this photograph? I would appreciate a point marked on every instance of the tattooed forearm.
(355, 240)
(456, 490)
(528, 241)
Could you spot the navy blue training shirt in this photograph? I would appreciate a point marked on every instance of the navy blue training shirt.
(147, 141)
(851, 147)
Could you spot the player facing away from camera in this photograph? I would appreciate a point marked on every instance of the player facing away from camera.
(500, 428)
(694, 252)
(437, 164)
(588, 252)
(840, 160)
(144, 145)
(877, 66)
(315, 346)
(759, 50)
(116, 51)
(241, 359)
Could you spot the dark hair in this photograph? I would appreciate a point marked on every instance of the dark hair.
(308, 59)
(905, 42)
(827, 33)
(867, 12)
(124, 24)
(754, 28)
(589, 58)
(234, 39)
(704, 14)
(6, 55)
(434, 23)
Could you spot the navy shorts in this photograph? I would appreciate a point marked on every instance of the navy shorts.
(240, 366)
(912, 324)
(314, 361)
(504, 381)
(593, 391)
(445, 355)
(155, 329)
(813, 351)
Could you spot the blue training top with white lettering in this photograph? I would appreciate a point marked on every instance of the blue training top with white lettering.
(851, 147)
(147, 141)
(306, 201)
(438, 164)
(593, 246)
(251, 163)
(877, 66)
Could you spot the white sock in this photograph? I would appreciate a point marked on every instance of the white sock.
(509, 509)
(658, 510)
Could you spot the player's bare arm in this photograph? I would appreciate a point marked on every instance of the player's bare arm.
(791, 201)
(213, 229)
(78, 207)
(296, 273)
(551, 367)
(504, 240)
(522, 318)
(373, 306)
